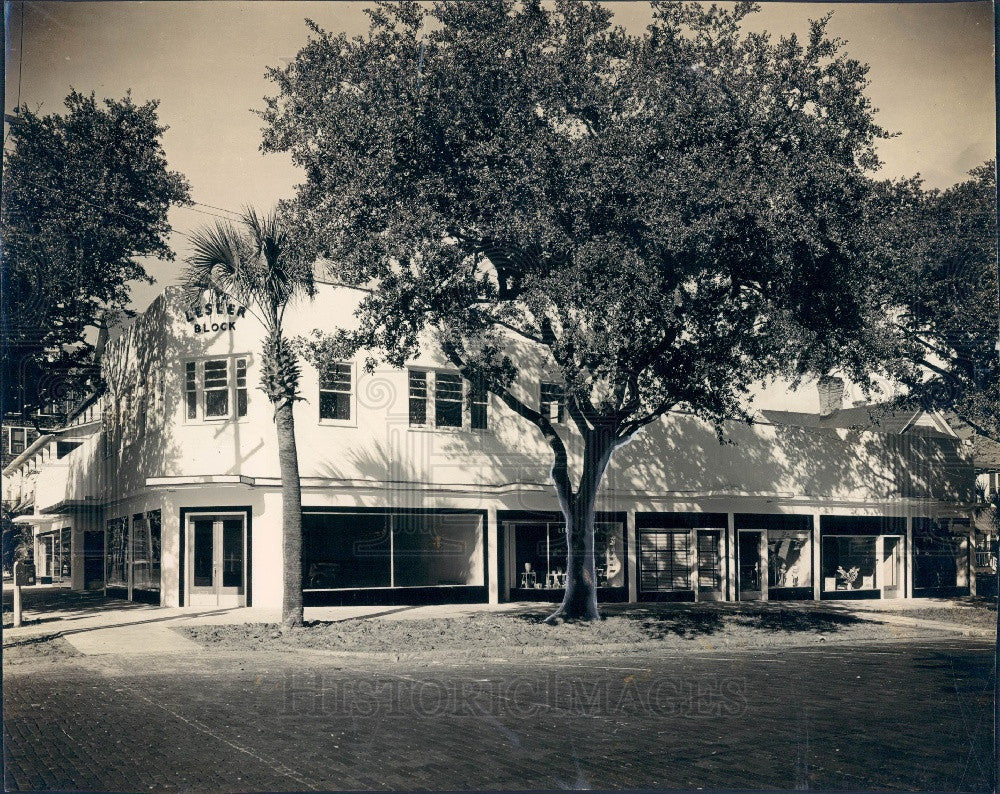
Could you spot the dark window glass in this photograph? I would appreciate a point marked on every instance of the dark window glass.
(418, 397)
(203, 552)
(448, 400)
(552, 402)
(479, 397)
(335, 392)
(345, 551)
(17, 440)
(217, 388)
(232, 552)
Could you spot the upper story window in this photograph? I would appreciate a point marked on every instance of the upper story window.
(439, 399)
(552, 401)
(215, 389)
(336, 393)
(17, 439)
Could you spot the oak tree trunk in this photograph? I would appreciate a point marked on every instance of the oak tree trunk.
(580, 599)
(291, 516)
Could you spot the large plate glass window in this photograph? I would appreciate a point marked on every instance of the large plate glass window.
(849, 562)
(789, 558)
(540, 554)
(116, 550)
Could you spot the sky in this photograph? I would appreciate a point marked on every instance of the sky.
(932, 78)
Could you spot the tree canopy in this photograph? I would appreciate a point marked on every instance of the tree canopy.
(946, 287)
(670, 216)
(85, 196)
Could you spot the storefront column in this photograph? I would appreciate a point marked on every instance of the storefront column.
(816, 547)
(910, 556)
(730, 557)
(631, 543)
(493, 555)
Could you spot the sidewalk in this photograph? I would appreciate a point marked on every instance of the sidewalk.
(93, 625)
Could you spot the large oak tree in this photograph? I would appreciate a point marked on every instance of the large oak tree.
(85, 197)
(668, 217)
(946, 287)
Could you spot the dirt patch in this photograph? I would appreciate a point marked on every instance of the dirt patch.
(29, 649)
(976, 615)
(491, 632)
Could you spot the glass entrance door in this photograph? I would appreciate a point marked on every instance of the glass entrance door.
(217, 561)
(891, 575)
(751, 565)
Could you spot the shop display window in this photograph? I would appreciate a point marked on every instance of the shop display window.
(789, 558)
(116, 572)
(540, 555)
(849, 562)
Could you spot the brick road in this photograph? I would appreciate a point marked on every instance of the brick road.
(910, 715)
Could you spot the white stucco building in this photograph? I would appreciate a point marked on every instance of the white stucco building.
(166, 487)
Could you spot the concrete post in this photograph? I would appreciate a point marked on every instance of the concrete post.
(731, 594)
(492, 530)
(909, 557)
(632, 560)
(817, 570)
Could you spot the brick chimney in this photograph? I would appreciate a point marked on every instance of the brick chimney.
(831, 394)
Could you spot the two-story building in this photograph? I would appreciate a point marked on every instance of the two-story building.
(417, 490)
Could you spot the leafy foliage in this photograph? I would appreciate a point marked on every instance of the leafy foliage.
(670, 217)
(946, 284)
(253, 265)
(85, 195)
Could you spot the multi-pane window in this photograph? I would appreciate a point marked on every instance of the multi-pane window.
(663, 560)
(191, 389)
(478, 399)
(215, 388)
(335, 392)
(552, 401)
(18, 440)
(448, 400)
(418, 397)
(438, 399)
(241, 387)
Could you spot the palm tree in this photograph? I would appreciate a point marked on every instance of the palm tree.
(252, 264)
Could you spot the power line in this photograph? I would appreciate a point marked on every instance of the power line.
(221, 209)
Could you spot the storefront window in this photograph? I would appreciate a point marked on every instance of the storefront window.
(146, 550)
(936, 554)
(789, 558)
(345, 550)
(430, 550)
(849, 563)
(664, 560)
(116, 573)
(362, 550)
(540, 554)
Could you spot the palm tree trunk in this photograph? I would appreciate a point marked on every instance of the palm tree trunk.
(291, 516)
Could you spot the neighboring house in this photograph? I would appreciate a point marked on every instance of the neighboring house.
(416, 488)
(986, 462)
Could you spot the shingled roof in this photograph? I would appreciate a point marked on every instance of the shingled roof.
(876, 418)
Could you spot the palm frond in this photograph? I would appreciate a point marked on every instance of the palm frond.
(216, 261)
